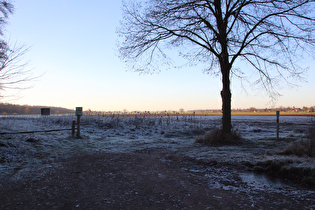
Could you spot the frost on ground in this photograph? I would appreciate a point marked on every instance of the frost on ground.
(229, 168)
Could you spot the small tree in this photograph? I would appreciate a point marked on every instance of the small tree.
(267, 34)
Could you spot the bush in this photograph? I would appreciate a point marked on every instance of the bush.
(302, 147)
(218, 138)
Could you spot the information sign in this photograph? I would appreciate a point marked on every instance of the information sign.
(78, 111)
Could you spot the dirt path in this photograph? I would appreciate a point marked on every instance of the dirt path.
(138, 181)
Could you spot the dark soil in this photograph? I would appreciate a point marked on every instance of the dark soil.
(134, 181)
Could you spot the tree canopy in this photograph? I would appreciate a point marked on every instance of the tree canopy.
(269, 35)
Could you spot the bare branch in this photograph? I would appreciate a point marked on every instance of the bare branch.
(13, 69)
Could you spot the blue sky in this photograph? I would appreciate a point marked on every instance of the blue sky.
(73, 46)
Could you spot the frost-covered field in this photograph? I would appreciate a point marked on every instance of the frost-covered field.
(122, 134)
(21, 153)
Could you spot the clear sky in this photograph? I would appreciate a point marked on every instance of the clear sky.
(73, 46)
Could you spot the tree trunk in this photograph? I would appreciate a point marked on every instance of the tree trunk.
(225, 68)
(226, 99)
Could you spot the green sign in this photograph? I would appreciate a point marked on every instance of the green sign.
(78, 111)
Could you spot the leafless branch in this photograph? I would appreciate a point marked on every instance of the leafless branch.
(14, 72)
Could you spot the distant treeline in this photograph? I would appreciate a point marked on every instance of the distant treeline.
(13, 109)
(282, 109)
(310, 111)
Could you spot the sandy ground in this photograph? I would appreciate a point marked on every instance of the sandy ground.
(150, 164)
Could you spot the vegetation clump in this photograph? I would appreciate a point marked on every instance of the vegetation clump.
(302, 147)
(289, 169)
(218, 138)
(286, 170)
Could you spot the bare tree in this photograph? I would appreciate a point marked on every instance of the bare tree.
(13, 71)
(267, 34)
(14, 74)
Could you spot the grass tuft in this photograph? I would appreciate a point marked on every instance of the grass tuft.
(218, 138)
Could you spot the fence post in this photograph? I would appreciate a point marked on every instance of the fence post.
(278, 115)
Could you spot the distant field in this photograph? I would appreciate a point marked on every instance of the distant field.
(274, 113)
(128, 114)
(248, 113)
(151, 114)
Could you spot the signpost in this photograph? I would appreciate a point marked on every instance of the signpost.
(78, 113)
(73, 128)
(278, 115)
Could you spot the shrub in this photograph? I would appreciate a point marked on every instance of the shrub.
(302, 147)
(218, 138)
